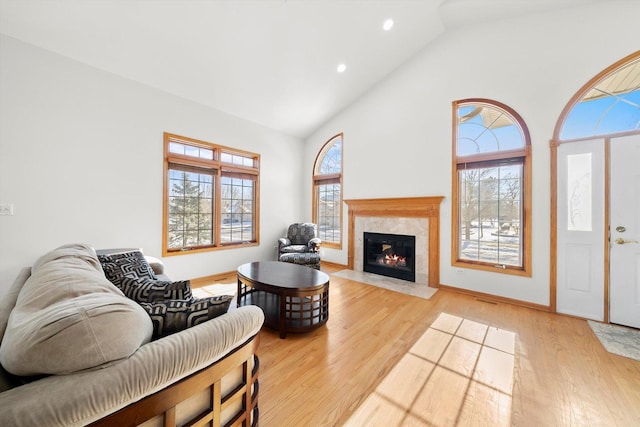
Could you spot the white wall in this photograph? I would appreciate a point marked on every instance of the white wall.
(397, 138)
(81, 154)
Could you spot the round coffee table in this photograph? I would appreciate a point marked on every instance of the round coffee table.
(294, 298)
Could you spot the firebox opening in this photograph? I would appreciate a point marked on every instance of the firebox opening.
(391, 255)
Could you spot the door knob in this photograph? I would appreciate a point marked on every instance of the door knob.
(621, 241)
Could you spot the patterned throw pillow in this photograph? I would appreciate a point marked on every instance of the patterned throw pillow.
(127, 264)
(147, 290)
(174, 316)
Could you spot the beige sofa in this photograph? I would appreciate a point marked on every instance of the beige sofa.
(206, 374)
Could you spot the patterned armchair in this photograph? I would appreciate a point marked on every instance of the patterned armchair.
(301, 238)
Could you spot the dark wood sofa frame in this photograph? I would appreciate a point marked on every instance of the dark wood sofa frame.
(164, 402)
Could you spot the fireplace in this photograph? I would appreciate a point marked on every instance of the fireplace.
(391, 255)
(418, 216)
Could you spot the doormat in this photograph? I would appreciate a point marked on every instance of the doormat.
(618, 340)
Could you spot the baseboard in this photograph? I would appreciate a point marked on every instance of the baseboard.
(496, 299)
(227, 277)
(332, 265)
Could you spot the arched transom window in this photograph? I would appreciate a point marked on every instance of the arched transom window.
(491, 188)
(611, 105)
(327, 192)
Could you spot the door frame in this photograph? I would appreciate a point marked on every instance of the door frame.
(554, 144)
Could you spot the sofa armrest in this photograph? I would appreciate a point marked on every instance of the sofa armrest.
(314, 244)
(8, 300)
(156, 264)
(84, 397)
(283, 241)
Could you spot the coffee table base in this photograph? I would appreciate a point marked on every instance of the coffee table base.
(300, 311)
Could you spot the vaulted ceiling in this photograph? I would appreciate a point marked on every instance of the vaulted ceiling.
(269, 61)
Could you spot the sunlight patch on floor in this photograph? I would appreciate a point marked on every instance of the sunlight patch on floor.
(460, 372)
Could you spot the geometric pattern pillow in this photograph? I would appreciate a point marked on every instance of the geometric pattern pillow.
(147, 290)
(127, 264)
(173, 316)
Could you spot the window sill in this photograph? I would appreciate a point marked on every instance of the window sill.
(514, 271)
(167, 253)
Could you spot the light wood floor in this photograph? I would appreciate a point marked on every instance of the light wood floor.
(378, 350)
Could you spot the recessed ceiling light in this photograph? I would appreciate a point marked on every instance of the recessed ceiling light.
(341, 68)
(387, 25)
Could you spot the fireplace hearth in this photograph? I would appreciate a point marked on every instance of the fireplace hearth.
(391, 255)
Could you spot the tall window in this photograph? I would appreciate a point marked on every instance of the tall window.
(327, 192)
(211, 196)
(491, 188)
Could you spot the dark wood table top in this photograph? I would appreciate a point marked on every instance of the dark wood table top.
(279, 275)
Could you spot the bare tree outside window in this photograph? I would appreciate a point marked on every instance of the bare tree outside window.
(190, 209)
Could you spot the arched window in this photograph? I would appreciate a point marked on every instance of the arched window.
(611, 105)
(491, 228)
(327, 192)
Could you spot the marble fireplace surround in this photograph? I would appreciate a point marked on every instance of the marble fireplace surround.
(418, 216)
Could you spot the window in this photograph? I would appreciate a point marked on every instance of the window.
(327, 192)
(491, 188)
(611, 105)
(211, 196)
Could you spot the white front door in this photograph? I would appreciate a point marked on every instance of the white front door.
(581, 230)
(624, 276)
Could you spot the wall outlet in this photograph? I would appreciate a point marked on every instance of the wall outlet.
(6, 208)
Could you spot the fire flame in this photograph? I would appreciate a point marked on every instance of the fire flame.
(394, 260)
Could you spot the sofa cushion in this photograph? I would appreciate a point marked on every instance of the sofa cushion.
(69, 317)
(147, 290)
(174, 316)
(126, 264)
(294, 248)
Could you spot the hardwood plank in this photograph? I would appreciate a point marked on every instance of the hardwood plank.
(461, 356)
(484, 405)
(442, 398)
(495, 369)
(405, 381)
(431, 345)
(561, 375)
(473, 331)
(501, 340)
